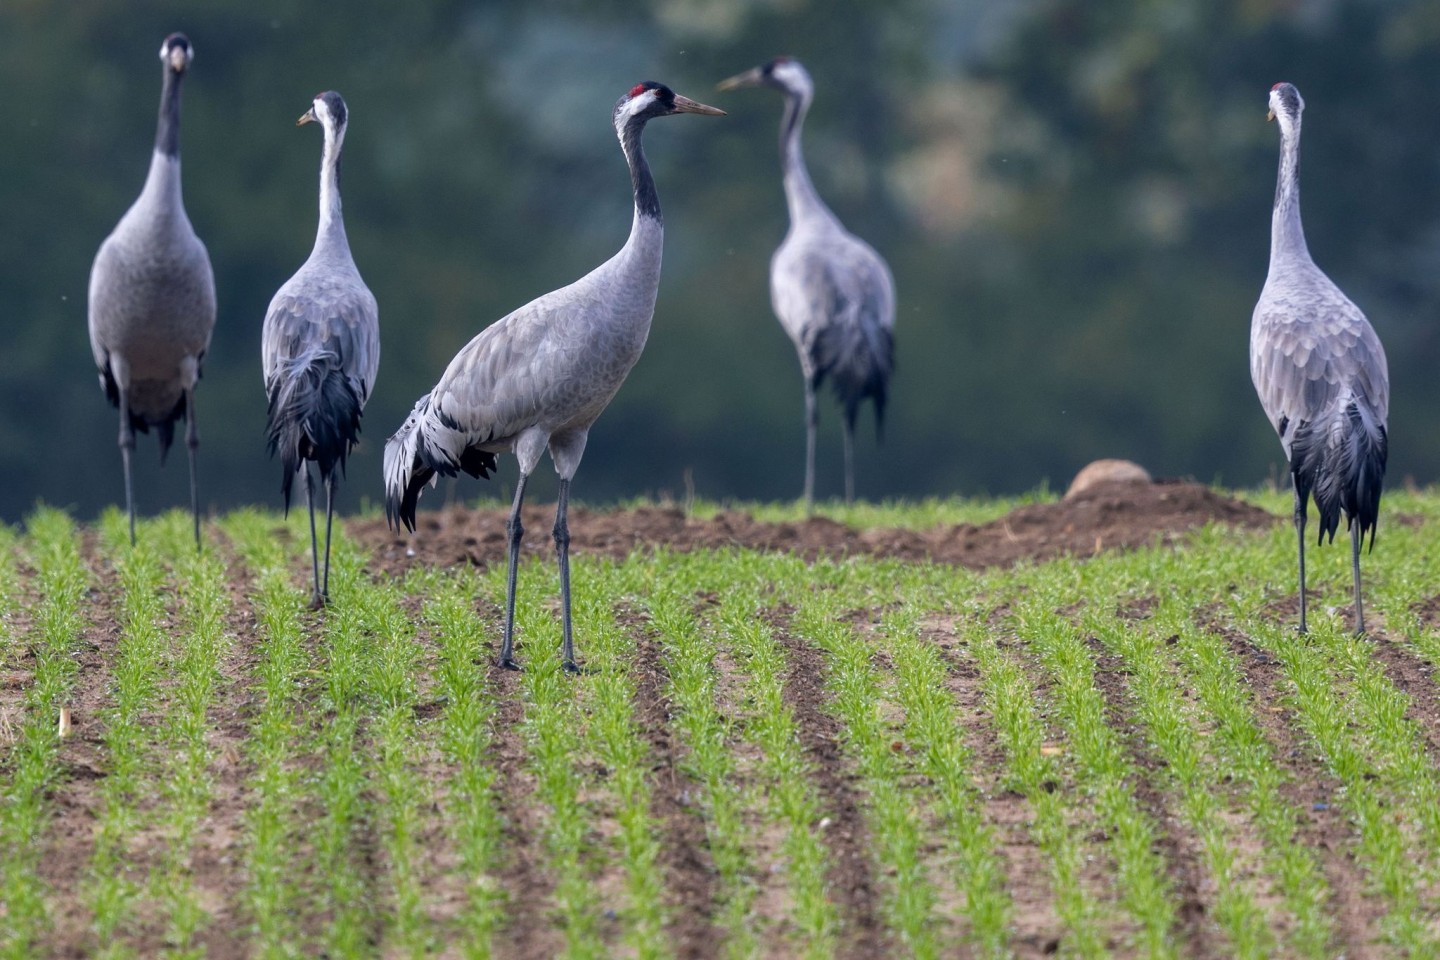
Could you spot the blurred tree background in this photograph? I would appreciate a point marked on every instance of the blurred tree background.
(1074, 197)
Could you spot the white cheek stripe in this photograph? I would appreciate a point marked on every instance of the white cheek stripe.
(640, 103)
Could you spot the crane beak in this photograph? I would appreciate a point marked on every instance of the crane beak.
(686, 105)
(177, 59)
(750, 78)
(1269, 115)
(308, 117)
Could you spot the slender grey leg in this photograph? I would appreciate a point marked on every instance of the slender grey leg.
(127, 447)
(316, 599)
(192, 443)
(849, 462)
(812, 422)
(1300, 536)
(329, 521)
(562, 553)
(516, 531)
(1355, 537)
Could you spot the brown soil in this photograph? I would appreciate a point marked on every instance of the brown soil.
(1107, 516)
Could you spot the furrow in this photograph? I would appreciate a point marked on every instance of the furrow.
(690, 872)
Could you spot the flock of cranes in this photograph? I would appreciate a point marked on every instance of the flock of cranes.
(538, 378)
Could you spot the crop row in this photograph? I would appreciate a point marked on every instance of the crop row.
(766, 756)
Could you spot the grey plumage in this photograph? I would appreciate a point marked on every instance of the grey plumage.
(320, 348)
(1320, 372)
(152, 298)
(539, 377)
(833, 294)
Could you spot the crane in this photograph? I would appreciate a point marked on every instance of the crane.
(152, 298)
(1320, 372)
(833, 294)
(321, 348)
(539, 377)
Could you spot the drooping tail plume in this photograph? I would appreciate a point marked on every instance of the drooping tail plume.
(424, 447)
(1341, 459)
(314, 415)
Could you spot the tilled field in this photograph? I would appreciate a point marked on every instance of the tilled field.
(1083, 728)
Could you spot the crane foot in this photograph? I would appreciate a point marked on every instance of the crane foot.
(509, 663)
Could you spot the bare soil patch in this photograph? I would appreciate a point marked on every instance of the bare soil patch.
(1108, 516)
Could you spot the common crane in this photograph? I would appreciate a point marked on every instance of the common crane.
(321, 348)
(831, 291)
(1319, 370)
(540, 376)
(152, 298)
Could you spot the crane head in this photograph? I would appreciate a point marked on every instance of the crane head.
(1285, 103)
(328, 109)
(176, 52)
(783, 73)
(649, 99)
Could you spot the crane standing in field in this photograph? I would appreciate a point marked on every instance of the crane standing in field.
(1319, 370)
(831, 291)
(152, 298)
(540, 376)
(321, 347)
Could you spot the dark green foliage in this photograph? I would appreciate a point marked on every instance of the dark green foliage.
(1074, 198)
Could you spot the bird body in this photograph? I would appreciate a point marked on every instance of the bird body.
(539, 377)
(320, 348)
(548, 369)
(832, 293)
(152, 297)
(1319, 370)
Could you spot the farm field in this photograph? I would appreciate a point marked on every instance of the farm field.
(1083, 728)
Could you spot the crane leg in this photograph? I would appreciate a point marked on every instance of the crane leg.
(317, 600)
(127, 447)
(849, 461)
(562, 554)
(516, 530)
(1300, 535)
(812, 422)
(192, 444)
(329, 523)
(1355, 538)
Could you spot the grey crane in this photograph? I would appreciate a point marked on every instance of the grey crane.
(152, 298)
(320, 348)
(831, 291)
(539, 377)
(1319, 370)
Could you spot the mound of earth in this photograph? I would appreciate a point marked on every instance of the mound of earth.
(1108, 516)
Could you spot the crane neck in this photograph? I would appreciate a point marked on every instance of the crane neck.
(332, 224)
(639, 259)
(800, 196)
(1287, 234)
(647, 201)
(167, 130)
(162, 182)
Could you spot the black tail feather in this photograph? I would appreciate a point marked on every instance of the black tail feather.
(1341, 460)
(412, 463)
(859, 364)
(314, 415)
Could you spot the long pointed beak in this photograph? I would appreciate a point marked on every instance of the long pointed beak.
(750, 78)
(308, 117)
(177, 59)
(686, 105)
(1269, 115)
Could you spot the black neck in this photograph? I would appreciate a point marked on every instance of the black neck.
(790, 124)
(647, 201)
(167, 133)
